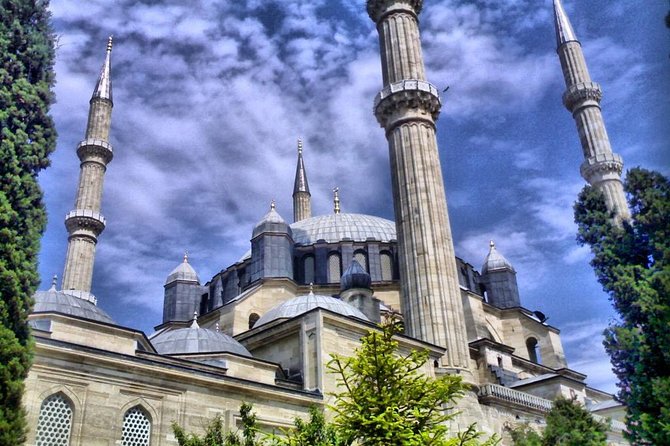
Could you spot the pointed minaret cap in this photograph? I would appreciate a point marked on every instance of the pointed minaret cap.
(564, 31)
(103, 89)
(495, 261)
(183, 272)
(300, 184)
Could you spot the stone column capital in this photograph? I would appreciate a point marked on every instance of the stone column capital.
(377, 9)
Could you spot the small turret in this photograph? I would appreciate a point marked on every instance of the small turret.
(182, 293)
(302, 199)
(355, 289)
(271, 247)
(499, 280)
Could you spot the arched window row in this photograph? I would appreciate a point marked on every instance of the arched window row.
(381, 267)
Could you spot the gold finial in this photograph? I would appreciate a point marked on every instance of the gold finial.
(336, 199)
(54, 282)
(299, 146)
(273, 205)
(109, 43)
(186, 256)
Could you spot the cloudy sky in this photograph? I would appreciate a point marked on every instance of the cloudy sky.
(210, 97)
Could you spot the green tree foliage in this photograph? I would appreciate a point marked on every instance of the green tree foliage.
(215, 435)
(568, 424)
(315, 432)
(27, 137)
(632, 263)
(386, 399)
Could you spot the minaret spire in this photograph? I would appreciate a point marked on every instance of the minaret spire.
(85, 223)
(407, 108)
(601, 167)
(302, 199)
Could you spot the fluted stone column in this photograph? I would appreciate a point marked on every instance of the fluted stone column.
(302, 199)
(85, 223)
(601, 168)
(407, 108)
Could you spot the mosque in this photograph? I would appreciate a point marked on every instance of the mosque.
(262, 329)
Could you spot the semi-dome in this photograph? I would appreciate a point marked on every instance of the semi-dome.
(334, 228)
(195, 339)
(183, 272)
(495, 261)
(302, 304)
(355, 277)
(60, 302)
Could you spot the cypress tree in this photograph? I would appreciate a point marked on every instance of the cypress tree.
(632, 263)
(27, 137)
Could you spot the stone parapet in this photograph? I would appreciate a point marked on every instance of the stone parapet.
(377, 9)
(494, 393)
(601, 167)
(83, 222)
(395, 102)
(95, 150)
(581, 95)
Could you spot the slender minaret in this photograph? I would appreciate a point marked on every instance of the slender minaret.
(302, 199)
(601, 168)
(85, 223)
(407, 108)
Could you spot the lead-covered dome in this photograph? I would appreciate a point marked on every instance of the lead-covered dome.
(495, 261)
(195, 339)
(183, 272)
(334, 228)
(61, 302)
(302, 304)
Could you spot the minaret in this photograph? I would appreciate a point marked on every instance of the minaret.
(601, 168)
(407, 108)
(85, 223)
(302, 199)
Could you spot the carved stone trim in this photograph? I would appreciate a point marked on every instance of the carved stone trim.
(95, 148)
(580, 93)
(85, 219)
(377, 9)
(406, 94)
(602, 163)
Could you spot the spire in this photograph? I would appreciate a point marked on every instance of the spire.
(564, 31)
(336, 200)
(302, 201)
(103, 88)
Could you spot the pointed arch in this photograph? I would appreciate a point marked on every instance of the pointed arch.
(55, 420)
(138, 422)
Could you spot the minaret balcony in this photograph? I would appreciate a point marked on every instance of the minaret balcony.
(406, 100)
(602, 167)
(84, 222)
(96, 150)
(582, 95)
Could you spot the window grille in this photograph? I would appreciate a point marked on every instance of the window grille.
(309, 269)
(387, 266)
(334, 268)
(136, 428)
(54, 422)
(362, 259)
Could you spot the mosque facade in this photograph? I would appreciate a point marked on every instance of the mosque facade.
(262, 329)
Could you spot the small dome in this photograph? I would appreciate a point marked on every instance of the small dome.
(271, 222)
(302, 304)
(355, 277)
(495, 261)
(196, 340)
(334, 228)
(183, 272)
(60, 302)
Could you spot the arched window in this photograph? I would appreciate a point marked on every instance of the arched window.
(308, 269)
(533, 350)
(361, 257)
(55, 421)
(136, 428)
(334, 268)
(253, 318)
(387, 265)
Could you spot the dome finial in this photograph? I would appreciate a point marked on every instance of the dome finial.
(299, 146)
(54, 282)
(492, 244)
(109, 44)
(217, 327)
(273, 205)
(194, 324)
(336, 199)
(186, 256)
(311, 288)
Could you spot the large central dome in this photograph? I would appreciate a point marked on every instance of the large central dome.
(334, 228)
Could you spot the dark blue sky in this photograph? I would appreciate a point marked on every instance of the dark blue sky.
(210, 98)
